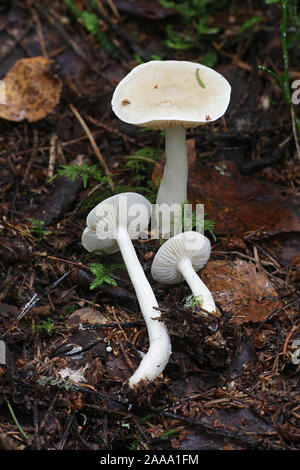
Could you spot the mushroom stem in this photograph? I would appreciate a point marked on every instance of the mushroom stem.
(197, 286)
(173, 186)
(157, 357)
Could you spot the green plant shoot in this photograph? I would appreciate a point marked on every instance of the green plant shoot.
(102, 275)
(84, 171)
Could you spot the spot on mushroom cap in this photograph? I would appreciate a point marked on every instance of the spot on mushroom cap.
(158, 94)
(192, 245)
(130, 210)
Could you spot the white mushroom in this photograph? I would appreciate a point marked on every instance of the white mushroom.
(179, 258)
(110, 227)
(172, 96)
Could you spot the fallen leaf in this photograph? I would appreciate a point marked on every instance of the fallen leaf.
(31, 90)
(117, 368)
(241, 289)
(241, 204)
(86, 316)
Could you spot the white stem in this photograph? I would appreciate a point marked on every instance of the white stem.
(198, 288)
(157, 357)
(173, 186)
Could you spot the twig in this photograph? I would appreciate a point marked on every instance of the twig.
(73, 263)
(292, 331)
(62, 442)
(39, 32)
(56, 21)
(93, 143)
(123, 35)
(35, 299)
(113, 8)
(110, 129)
(52, 155)
(16, 41)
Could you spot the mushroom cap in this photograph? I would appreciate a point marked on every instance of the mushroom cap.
(123, 209)
(192, 245)
(160, 94)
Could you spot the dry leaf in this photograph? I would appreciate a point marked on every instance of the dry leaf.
(241, 289)
(238, 204)
(31, 90)
(86, 316)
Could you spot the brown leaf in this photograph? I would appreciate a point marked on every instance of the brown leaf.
(238, 204)
(86, 316)
(32, 91)
(241, 289)
(241, 204)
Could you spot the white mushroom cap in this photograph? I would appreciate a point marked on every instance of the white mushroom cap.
(191, 245)
(159, 94)
(121, 209)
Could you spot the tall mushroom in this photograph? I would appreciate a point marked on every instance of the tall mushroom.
(172, 96)
(179, 258)
(110, 227)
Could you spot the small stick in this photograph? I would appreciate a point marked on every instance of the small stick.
(35, 299)
(52, 155)
(78, 264)
(17, 40)
(113, 8)
(39, 32)
(57, 22)
(93, 143)
(110, 129)
(120, 33)
(292, 331)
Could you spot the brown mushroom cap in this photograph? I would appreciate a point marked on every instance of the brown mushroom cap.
(159, 94)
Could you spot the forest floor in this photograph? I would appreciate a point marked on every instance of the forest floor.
(232, 382)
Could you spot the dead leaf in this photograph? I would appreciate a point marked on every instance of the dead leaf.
(86, 316)
(117, 368)
(239, 204)
(31, 90)
(241, 289)
(242, 204)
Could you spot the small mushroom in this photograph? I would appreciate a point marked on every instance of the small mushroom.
(172, 96)
(110, 227)
(179, 258)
